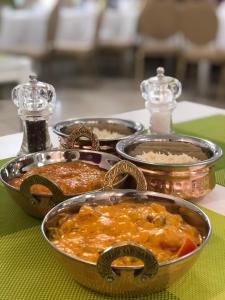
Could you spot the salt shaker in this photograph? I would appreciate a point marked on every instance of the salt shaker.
(35, 101)
(160, 94)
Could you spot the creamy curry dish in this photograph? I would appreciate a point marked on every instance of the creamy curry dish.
(94, 228)
(71, 177)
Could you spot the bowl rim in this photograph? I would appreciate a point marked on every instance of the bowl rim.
(25, 156)
(137, 126)
(82, 198)
(217, 151)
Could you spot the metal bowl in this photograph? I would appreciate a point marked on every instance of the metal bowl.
(38, 205)
(190, 181)
(127, 281)
(127, 128)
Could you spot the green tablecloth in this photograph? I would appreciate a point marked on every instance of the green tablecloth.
(28, 270)
(212, 128)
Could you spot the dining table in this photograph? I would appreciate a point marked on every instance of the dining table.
(27, 268)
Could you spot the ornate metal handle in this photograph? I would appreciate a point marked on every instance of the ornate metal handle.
(82, 131)
(125, 167)
(25, 189)
(110, 254)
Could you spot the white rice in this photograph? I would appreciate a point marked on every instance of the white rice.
(106, 134)
(157, 157)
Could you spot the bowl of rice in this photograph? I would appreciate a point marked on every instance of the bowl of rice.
(108, 131)
(180, 165)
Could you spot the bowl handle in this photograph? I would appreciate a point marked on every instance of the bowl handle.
(125, 167)
(82, 131)
(106, 258)
(57, 194)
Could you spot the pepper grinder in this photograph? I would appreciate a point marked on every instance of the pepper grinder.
(160, 94)
(35, 101)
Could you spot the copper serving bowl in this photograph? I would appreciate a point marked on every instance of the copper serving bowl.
(127, 281)
(38, 205)
(127, 128)
(190, 181)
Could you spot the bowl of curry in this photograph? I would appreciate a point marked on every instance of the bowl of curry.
(39, 181)
(126, 242)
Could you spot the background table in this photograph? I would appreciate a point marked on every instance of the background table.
(185, 111)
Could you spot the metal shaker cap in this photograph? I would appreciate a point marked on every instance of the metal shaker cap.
(34, 96)
(161, 89)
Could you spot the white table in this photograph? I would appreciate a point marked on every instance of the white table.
(10, 144)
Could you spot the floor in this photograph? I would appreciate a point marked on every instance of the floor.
(101, 98)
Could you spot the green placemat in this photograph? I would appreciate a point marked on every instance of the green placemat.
(2, 162)
(220, 177)
(28, 270)
(211, 128)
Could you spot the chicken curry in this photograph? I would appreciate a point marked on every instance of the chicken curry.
(71, 177)
(94, 228)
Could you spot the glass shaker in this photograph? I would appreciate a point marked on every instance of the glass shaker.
(35, 101)
(160, 94)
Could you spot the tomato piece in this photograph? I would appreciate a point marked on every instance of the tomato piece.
(187, 247)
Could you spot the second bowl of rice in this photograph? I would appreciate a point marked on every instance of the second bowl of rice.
(108, 131)
(180, 165)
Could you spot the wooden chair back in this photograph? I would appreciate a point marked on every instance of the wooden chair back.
(198, 22)
(158, 19)
(53, 21)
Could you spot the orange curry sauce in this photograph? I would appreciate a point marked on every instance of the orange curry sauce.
(87, 233)
(72, 177)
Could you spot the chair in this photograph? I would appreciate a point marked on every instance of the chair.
(158, 33)
(28, 32)
(118, 30)
(200, 34)
(76, 34)
(15, 69)
(22, 4)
